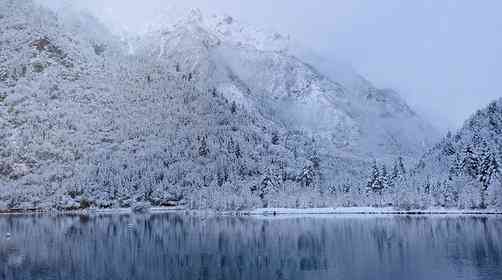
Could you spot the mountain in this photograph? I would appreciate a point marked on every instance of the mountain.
(463, 170)
(52, 81)
(261, 73)
(203, 112)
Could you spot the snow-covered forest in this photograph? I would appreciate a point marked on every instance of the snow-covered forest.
(207, 112)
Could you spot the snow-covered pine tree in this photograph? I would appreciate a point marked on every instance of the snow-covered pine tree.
(203, 148)
(455, 166)
(450, 194)
(488, 169)
(373, 178)
(470, 162)
(376, 181)
(398, 173)
(427, 186)
(402, 169)
(385, 180)
(307, 177)
(395, 171)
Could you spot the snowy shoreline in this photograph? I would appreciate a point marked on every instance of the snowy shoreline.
(371, 211)
(285, 212)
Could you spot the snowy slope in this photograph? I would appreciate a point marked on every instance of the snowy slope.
(87, 126)
(51, 89)
(464, 167)
(261, 72)
(202, 112)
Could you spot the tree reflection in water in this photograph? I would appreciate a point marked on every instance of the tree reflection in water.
(167, 246)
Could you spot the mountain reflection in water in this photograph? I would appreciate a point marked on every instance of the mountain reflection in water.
(171, 246)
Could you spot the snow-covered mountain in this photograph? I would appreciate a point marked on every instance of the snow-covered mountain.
(463, 169)
(202, 111)
(262, 73)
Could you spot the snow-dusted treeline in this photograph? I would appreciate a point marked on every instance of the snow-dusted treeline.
(208, 113)
(85, 124)
(461, 171)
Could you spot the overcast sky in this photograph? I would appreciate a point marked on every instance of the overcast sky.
(444, 56)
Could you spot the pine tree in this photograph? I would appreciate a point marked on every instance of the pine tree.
(398, 172)
(307, 177)
(372, 178)
(395, 171)
(385, 182)
(213, 92)
(470, 162)
(402, 169)
(456, 166)
(450, 194)
(488, 169)
(275, 138)
(427, 186)
(238, 153)
(375, 183)
(233, 107)
(494, 115)
(203, 148)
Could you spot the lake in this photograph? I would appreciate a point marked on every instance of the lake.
(174, 246)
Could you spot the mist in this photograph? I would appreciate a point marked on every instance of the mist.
(444, 57)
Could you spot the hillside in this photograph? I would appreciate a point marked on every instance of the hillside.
(200, 113)
(465, 166)
(461, 171)
(260, 72)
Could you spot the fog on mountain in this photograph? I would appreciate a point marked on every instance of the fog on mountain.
(207, 112)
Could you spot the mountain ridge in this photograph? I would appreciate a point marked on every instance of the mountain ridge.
(279, 75)
(187, 118)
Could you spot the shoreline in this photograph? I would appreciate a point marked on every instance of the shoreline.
(265, 212)
(371, 211)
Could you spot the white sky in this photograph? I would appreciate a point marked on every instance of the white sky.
(443, 56)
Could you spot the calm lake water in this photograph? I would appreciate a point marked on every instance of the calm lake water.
(169, 246)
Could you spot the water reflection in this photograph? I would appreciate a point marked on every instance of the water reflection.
(186, 247)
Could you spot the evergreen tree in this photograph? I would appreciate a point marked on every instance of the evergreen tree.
(456, 167)
(203, 147)
(427, 186)
(233, 107)
(395, 171)
(275, 138)
(398, 171)
(385, 180)
(450, 194)
(402, 169)
(372, 178)
(470, 161)
(488, 169)
(495, 118)
(375, 183)
(307, 177)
